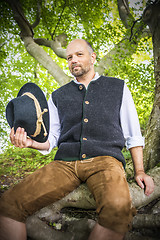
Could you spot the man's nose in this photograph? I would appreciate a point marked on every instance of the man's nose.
(74, 59)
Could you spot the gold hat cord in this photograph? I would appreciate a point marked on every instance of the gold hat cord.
(39, 115)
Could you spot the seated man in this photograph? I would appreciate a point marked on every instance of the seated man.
(91, 119)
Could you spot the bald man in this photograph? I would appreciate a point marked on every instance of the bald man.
(91, 119)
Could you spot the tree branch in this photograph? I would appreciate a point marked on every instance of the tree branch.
(38, 15)
(56, 44)
(35, 50)
(146, 221)
(25, 26)
(124, 13)
(74, 229)
(124, 48)
(47, 62)
(133, 27)
(137, 236)
(128, 45)
(52, 35)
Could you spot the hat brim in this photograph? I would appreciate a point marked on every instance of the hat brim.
(39, 95)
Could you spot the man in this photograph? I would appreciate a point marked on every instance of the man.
(91, 118)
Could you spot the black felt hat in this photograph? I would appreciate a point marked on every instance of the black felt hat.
(29, 110)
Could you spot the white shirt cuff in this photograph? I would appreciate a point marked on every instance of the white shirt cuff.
(45, 152)
(135, 142)
(53, 145)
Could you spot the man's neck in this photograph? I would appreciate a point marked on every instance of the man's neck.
(86, 79)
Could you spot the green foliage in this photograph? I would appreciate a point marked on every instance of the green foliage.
(143, 95)
(126, 154)
(16, 163)
(96, 21)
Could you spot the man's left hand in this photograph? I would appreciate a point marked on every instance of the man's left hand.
(145, 182)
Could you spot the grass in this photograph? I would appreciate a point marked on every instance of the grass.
(16, 163)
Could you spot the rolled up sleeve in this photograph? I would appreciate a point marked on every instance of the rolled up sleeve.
(129, 121)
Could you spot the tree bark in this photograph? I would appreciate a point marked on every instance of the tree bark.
(138, 236)
(56, 44)
(74, 230)
(124, 13)
(151, 17)
(146, 221)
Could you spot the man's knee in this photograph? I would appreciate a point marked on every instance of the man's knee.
(116, 214)
(11, 209)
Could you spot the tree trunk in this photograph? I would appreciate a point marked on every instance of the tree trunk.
(151, 17)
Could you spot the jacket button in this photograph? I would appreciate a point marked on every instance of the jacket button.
(83, 155)
(85, 139)
(85, 120)
(86, 102)
(80, 87)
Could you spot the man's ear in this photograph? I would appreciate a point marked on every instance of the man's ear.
(93, 57)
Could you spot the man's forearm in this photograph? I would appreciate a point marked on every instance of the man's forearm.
(40, 146)
(137, 158)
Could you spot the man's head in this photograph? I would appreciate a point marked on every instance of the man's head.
(81, 57)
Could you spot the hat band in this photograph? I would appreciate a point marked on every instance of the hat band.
(39, 122)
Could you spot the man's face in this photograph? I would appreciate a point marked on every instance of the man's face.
(80, 60)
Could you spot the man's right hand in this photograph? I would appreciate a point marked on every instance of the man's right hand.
(20, 139)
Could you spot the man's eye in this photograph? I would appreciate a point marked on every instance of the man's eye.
(69, 58)
(80, 54)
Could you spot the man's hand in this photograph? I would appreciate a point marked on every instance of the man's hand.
(145, 182)
(19, 139)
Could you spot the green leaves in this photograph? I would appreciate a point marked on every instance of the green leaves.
(96, 21)
(17, 163)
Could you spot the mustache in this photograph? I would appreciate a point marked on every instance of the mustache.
(75, 65)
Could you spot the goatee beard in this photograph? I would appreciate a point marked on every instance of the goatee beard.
(78, 72)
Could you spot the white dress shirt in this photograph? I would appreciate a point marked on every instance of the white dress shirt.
(128, 118)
